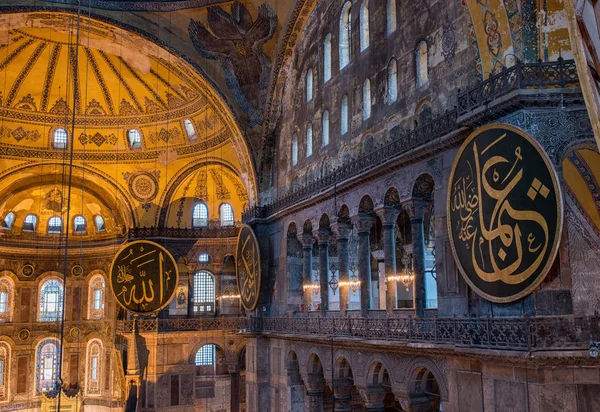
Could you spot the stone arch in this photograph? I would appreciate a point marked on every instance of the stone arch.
(423, 187)
(343, 215)
(307, 227)
(391, 198)
(292, 230)
(422, 369)
(324, 222)
(366, 205)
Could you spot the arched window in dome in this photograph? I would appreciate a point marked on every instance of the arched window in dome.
(93, 367)
(30, 223)
(96, 299)
(134, 138)
(200, 215)
(345, 35)
(327, 58)
(204, 292)
(8, 221)
(344, 116)
(421, 58)
(309, 85)
(59, 139)
(4, 370)
(226, 213)
(55, 225)
(309, 139)
(6, 299)
(206, 355)
(364, 26)
(51, 300)
(392, 81)
(79, 225)
(325, 138)
(392, 18)
(190, 130)
(366, 99)
(294, 150)
(99, 222)
(47, 358)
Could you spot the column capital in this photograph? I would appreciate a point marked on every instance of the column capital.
(307, 240)
(388, 215)
(233, 368)
(343, 230)
(373, 397)
(416, 209)
(364, 222)
(324, 236)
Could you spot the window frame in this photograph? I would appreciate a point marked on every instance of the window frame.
(294, 149)
(391, 17)
(54, 231)
(392, 76)
(189, 122)
(96, 226)
(60, 138)
(325, 129)
(201, 357)
(309, 85)
(45, 315)
(309, 140)
(344, 116)
(33, 224)
(42, 383)
(367, 99)
(345, 36)
(200, 221)
(226, 223)
(134, 139)
(365, 31)
(421, 61)
(204, 293)
(75, 225)
(10, 224)
(327, 61)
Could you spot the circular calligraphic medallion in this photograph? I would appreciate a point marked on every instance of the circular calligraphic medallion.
(74, 332)
(248, 268)
(77, 270)
(143, 277)
(24, 334)
(143, 186)
(504, 212)
(27, 270)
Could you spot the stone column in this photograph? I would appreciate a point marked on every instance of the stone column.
(364, 223)
(234, 375)
(373, 397)
(307, 246)
(416, 211)
(388, 218)
(343, 236)
(314, 395)
(342, 396)
(324, 237)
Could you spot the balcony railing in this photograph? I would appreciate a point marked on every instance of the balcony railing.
(567, 332)
(184, 233)
(183, 325)
(561, 73)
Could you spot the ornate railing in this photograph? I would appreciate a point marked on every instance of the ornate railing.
(183, 325)
(567, 332)
(560, 73)
(400, 144)
(183, 233)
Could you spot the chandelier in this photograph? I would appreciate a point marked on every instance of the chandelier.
(230, 293)
(354, 283)
(316, 286)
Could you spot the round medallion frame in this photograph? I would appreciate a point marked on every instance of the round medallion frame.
(245, 229)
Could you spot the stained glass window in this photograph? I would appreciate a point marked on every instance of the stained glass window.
(96, 293)
(206, 355)
(226, 212)
(204, 292)
(200, 215)
(48, 356)
(51, 300)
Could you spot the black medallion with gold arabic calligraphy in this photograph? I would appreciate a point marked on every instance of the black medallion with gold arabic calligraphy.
(248, 268)
(143, 277)
(504, 212)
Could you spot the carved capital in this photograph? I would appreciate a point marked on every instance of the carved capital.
(388, 216)
(307, 240)
(343, 231)
(324, 236)
(404, 402)
(373, 397)
(364, 222)
(416, 209)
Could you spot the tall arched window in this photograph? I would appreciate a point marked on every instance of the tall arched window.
(4, 370)
(189, 129)
(93, 367)
(204, 292)
(8, 221)
(206, 355)
(51, 300)
(99, 222)
(96, 297)
(294, 150)
(309, 85)
(325, 139)
(6, 299)
(364, 26)
(30, 223)
(47, 358)
(344, 116)
(327, 58)
(309, 140)
(392, 81)
(200, 215)
(55, 225)
(366, 99)
(345, 35)
(226, 213)
(59, 140)
(421, 59)
(135, 139)
(79, 225)
(391, 17)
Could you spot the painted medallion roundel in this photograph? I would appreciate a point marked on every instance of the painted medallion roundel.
(248, 268)
(143, 277)
(504, 212)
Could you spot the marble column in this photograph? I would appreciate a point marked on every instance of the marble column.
(416, 211)
(342, 396)
(343, 236)
(307, 246)
(234, 376)
(374, 398)
(324, 237)
(314, 395)
(388, 218)
(364, 223)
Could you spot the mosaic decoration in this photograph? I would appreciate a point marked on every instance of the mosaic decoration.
(236, 40)
(449, 41)
(143, 185)
(248, 268)
(240, 190)
(143, 277)
(201, 192)
(165, 135)
(505, 213)
(53, 200)
(94, 108)
(222, 192)
(98, 139)
(21, 134)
